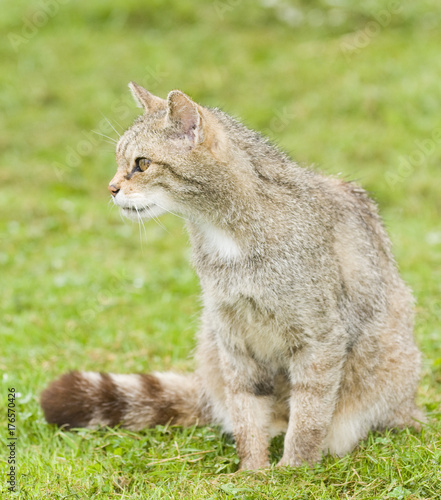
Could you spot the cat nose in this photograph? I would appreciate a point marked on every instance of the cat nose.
(113, 189)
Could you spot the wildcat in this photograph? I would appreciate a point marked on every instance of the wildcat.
(306, 325)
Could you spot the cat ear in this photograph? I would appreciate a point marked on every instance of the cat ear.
(144, 99)
(184, 113)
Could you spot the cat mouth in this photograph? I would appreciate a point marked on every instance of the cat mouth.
(136, 209)
(150, 211)
(143, 212)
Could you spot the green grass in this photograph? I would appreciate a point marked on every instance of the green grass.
(352, 87)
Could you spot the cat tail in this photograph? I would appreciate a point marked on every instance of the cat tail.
(90, 399)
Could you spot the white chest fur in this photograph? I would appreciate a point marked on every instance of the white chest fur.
(219, 242)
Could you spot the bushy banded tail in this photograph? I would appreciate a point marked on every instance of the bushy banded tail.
(90, 399)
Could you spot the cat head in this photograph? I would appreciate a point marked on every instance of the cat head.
(171, 159)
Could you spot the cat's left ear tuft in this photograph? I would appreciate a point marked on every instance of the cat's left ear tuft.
(144, 99)
(185, 114)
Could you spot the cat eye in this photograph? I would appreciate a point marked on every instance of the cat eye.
(142, 164)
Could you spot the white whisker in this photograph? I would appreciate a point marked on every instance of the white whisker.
(122, 217)
(110, 205)
(106, 136)
(119, 125)
(141, 221)
(145, 232)
(170, 212)
(139, 227)
(108, 121)
(156, 219)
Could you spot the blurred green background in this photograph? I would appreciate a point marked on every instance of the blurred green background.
(350, 87)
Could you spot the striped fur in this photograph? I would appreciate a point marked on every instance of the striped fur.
(89, 399)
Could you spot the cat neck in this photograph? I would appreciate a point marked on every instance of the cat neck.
(217, 243)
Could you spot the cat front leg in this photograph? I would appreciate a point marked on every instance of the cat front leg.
(249, 401)
(315, 379)
(250, 417)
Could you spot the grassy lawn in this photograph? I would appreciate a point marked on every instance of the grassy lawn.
(351, 87)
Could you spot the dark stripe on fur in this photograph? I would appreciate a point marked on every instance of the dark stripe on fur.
(111, 405)
(162, 404)
(73, 401)
(263, 388)
(181, 177)
(64, 402)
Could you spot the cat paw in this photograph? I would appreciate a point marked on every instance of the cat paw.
(254, 465)
(289, 462)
